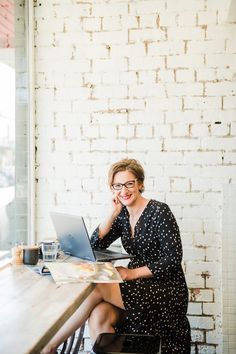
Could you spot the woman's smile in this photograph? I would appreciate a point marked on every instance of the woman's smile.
(125, 197)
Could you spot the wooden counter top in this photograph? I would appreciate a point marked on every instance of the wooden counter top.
(33, 307)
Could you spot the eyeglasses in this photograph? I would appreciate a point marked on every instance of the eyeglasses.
(128, 185)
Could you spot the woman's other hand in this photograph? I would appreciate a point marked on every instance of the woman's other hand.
(137, 273)
(127, 274)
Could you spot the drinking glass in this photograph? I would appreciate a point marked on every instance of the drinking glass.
(49, 251)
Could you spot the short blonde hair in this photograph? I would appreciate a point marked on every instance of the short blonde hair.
(130, 165)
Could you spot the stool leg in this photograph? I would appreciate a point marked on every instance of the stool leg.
(79, 340)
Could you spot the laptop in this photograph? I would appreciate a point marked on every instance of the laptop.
(74, 239)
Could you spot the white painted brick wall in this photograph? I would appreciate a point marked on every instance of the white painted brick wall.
(17, 210)
(148, 79)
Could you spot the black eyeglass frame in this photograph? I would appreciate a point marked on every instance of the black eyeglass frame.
(121, 185)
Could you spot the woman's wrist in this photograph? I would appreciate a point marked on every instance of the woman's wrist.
(106, 225)
(135, 273)
(113, 215)
(142, 272)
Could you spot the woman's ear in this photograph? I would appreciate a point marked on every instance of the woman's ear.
(141, 188)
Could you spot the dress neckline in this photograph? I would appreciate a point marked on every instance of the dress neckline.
(132, 235)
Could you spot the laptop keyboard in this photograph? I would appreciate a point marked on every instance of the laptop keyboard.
(104, 254)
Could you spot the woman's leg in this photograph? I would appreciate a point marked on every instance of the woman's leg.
(103, 319)
(103, 292)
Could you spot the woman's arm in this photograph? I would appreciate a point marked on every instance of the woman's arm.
(167, 232)
(106, 225)
(110, 229)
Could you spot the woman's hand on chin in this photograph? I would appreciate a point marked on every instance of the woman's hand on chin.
(116, 205)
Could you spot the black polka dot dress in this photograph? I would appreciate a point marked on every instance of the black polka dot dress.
(156, 305)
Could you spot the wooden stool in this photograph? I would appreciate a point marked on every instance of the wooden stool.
(109, 343)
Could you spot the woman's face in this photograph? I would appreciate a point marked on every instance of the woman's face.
(128, 193)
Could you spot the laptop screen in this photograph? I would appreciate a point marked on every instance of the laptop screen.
(73, 235)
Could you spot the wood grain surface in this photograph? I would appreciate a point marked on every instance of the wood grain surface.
(33, 308)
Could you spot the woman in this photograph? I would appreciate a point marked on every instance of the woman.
(153, 297)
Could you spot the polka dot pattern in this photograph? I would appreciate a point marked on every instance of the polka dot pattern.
(157, 304)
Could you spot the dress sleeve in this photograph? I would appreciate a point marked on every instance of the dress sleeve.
(167, 233)
(109, 238)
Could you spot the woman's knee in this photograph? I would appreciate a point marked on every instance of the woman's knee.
(100, 313)
(105, 315)
(111, 294)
